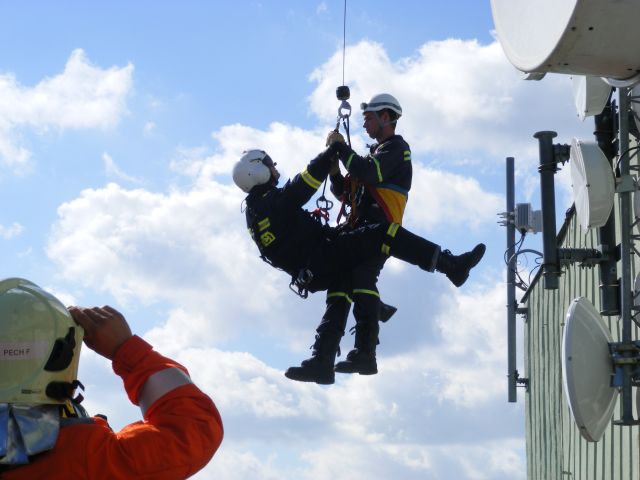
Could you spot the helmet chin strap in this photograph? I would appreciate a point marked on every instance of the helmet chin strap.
(382, 124)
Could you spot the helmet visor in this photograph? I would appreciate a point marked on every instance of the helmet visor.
(266, 161)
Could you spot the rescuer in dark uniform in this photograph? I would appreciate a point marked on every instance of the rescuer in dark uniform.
(376, 190)
(317, 256)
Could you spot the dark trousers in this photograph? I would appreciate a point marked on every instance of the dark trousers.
(348, 264)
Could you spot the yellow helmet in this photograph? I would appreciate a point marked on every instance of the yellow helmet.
(39, 345)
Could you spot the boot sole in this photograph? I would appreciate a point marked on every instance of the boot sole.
(319, 381)
(360, 372)
(482, 248)
(387, 311)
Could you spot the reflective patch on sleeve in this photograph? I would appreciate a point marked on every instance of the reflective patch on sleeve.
(264, 224)
(376, 162)
(159, 384)
(393, 229)
(407, 155)
(348, 164)
(310, 179)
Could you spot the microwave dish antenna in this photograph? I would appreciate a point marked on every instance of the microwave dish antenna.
(587, 368)
(593, 184)
(577, 37)
(590, 95)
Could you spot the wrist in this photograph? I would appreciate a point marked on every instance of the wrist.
(129, 354)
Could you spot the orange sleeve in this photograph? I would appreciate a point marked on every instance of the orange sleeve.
(181, 430)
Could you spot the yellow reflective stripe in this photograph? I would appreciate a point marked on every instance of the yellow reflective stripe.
(348, 164)
(339, 294)
(393, 229)
(264, 224)
(386, 249)
(377, 164)
(366, 292)
(310, 180)
(407, 155)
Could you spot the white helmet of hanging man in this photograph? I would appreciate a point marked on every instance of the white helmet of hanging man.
(253, 168)
(380, 102)
(39, 345)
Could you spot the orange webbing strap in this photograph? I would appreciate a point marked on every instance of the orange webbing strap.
(351, 185)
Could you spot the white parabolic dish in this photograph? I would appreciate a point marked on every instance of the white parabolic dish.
(592, 183)
(587, 369)
(590, 95)
(586, 37)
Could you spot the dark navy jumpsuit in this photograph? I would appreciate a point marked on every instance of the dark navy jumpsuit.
(292, 239)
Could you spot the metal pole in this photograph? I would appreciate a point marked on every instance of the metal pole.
(511, 283)
(609, 288)
(625, 252)
(548, 167)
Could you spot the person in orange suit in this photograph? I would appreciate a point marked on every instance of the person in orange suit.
(48, 435)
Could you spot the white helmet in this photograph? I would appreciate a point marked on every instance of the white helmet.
(380, 102)
(39, 345)
(252, 169)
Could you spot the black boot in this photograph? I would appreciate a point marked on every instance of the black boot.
(362, 359)
(318, 368)
(456, 267)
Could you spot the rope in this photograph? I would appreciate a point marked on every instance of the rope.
(344, 37)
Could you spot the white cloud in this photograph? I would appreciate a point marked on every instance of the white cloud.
(346, 460)
(199, 232)
(82, 96)
(237, 463)
(12, 231)
(149, 128)
(457, 96)
(430, 411)
(152, 246)
(291, 147)
(441, 199)
(112, 170)
(473, 349)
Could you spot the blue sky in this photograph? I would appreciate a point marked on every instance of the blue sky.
(119, 124)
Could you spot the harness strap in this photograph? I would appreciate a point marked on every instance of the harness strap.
(351, 185)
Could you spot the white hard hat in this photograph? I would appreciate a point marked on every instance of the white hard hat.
(380, 102)
(252, 169)
(39, 345)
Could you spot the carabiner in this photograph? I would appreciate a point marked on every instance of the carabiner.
(346, 107)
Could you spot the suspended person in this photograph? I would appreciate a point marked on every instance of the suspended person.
(319, 257)
(376, 190)
(45, 434)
